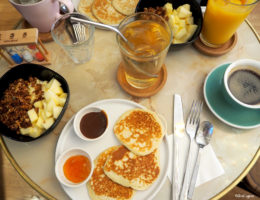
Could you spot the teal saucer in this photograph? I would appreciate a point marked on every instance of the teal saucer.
(236, 117)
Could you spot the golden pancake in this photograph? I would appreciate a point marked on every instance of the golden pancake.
(126, 7)
(141, 131)
(130, 170)
(102, 187)
(105, 12)
(84, 8)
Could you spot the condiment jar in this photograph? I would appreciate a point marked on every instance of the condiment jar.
(90, 123)
(74, 167)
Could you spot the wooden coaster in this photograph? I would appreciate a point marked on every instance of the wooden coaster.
(218, 51)
(147, 92)
(45, 37)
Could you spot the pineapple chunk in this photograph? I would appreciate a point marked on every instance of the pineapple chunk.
(32, 115)
(55, 87)
(168, 8)
(35, 132)
(50, 95)
(186, 6)
(189, 20)
(182, 31)
(56, 111)
(25, 131)
(62, 101)
(38, 104)
(183, 12)
(181, 22)
(40, 122)
(47, 124)
(191, 30)
(50, 105)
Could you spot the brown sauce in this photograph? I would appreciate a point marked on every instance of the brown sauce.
(93, 124)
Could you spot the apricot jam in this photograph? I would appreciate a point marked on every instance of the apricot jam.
(77, 168)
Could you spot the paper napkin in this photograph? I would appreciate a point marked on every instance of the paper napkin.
(210, 167)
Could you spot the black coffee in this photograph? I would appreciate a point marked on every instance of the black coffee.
(245, 86)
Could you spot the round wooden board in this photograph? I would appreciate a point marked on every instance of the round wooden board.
(45, 37)
(218, 51)
(147, 92)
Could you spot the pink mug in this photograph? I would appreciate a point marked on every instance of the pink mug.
(42, 14)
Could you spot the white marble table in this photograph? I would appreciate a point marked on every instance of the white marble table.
(187, 68)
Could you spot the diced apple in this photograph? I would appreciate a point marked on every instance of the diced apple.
(56, 111)
(32, 115)
(47, 124)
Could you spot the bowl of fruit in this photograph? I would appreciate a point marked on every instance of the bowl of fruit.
(183, 16)
(33, 99)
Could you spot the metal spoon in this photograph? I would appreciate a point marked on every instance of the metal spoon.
(203, 136)
(64, 9)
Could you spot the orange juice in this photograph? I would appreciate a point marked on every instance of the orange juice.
(223, 17)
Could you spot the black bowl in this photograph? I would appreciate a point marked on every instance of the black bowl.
(194, 7)
(25, 71)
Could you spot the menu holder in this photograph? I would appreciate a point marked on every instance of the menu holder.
(21, 37)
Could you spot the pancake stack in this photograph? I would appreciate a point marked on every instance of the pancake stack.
(134, 165)
(110, 12)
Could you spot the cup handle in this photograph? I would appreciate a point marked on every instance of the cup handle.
(69, 5)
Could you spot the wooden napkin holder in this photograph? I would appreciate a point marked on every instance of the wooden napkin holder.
(22, 37)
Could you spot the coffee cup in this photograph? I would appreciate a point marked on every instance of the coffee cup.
(242, 83)
(41, 14)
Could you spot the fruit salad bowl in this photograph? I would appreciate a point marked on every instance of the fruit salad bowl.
(41, 115)
(185, 18)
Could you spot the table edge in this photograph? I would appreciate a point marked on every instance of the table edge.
(48, 196)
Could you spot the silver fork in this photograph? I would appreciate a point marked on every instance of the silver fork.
(192, 126)
(79, 32)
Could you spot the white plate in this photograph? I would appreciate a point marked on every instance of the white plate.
(113, 108)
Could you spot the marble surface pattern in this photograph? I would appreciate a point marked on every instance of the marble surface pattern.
(96, 80)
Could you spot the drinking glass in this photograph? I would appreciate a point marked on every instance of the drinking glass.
(63, 33)
(149, 37)
(222, 18)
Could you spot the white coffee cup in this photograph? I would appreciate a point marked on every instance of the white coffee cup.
(245, 93)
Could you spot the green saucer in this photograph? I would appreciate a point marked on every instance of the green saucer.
(236, 117)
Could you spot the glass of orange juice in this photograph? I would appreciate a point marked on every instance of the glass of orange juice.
(222, 18)
(150, 37)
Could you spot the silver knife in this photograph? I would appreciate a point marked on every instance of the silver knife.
(180, 147)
